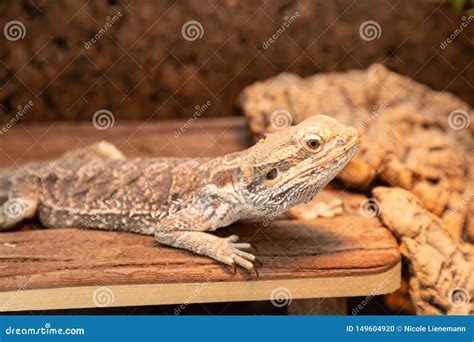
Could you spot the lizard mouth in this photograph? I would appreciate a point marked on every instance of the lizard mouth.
(350, 149)
(308, 175)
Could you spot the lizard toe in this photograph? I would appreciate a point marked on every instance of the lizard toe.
(232, 238)
(245, 255)
(226, 260)
(229, 250)
(242, 245)
(242, 262)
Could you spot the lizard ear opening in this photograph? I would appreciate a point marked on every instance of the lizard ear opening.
(272, 174)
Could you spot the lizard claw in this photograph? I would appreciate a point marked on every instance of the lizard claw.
(233, 253)
(258, 262)
(256, 273)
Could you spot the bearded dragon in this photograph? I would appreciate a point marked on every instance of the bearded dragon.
(180, 200)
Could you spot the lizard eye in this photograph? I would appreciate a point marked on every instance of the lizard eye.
(272, 174)
(313, 143)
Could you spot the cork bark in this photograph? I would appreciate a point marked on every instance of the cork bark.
(412, 136)
(441, 265)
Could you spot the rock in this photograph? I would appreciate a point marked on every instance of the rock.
(412, 137)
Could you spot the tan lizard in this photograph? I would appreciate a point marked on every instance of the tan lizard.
(180, 200)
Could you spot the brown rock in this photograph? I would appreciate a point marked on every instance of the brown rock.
(406, 140)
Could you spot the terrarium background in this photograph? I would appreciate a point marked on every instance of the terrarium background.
(142, 67)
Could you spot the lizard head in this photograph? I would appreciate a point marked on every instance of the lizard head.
(290, 166)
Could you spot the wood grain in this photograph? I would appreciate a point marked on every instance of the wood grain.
(203, 138)
(58, 268)
(287, 249)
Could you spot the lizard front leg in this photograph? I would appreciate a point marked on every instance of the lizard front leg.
(186, 229)
(225, 250)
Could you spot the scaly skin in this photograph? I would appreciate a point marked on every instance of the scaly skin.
(180, 200)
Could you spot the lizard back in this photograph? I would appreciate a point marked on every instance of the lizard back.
(115, 194)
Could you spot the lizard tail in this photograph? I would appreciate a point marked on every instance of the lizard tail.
(4, 186)
(18, 198)
(19, 187)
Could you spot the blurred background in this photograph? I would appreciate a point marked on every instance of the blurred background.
(147, 60)
(161, 59)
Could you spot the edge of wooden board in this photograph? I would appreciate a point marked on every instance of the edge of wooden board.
(205, 292)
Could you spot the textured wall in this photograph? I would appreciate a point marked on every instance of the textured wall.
(72, 58)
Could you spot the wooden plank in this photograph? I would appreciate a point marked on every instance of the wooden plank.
(348, 255)
(203, 138)
(202, 292)
(287, 249)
